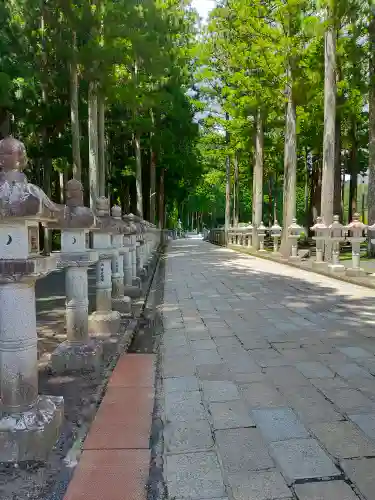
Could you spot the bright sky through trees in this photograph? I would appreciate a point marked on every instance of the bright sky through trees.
(203, 7)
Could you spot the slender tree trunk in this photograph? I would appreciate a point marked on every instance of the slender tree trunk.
(371, 161)
(290, 167)
(337, 179)
(328, 173)
(235, 192)
(161, 200)
(227, 187)
(307, 179)
(152, 175)
(352, 209)
(74, 114)
(4, 123)
(138, 173)
(102, 168)
(93, 141)
(258, 178)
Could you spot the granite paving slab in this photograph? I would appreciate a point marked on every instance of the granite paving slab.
(328, 490)
(187, 436)
(242, 450)
(261, 485)
(216, 391)
(194, 475)
(230, 415)
(343, 440)
(279, 424)
(303, 459)
(361, 472)
(366, 422)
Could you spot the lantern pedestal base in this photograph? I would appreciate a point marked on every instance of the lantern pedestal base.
(294, 258)
(74, 356)
(356, 272)
(336, 268)
(132, 291)
(322, 266)
(104, 324)
(31, 434)
(123, 305)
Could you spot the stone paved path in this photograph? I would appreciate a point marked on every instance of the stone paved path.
(269, 388)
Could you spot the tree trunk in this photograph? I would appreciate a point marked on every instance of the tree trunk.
(290, 168)
(258, 179)
(161, 200)
(4, 123)
(74, 114)
(152, 176)
(227, 186)
(235, 192)
(371, 161)
(328, 173)
(337, 180)
(353, 166)
(138, 173)
(102, 168)
(93, 142)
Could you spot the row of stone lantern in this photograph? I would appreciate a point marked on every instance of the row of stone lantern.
(122, 249)
(327, 238)
(335, 234)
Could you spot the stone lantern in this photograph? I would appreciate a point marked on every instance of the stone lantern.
(78, 351)
(29, 422)
(136, 241)
(294, 233)
(275, 231)
(130, 272)
(357, 235)
(120, 302)
(321, 233)
(261, 231)
(336, 234)
(104, 322)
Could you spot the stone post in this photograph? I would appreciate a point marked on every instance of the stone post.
(30, 423)
(336, 236)
(120, 302)
(294, 232)
(250, 235)
(132, 288)
(104, 322)
(357, 235)
(135, 253)
(78, 352)
(261, 233)
(321, 232)
(276, 231)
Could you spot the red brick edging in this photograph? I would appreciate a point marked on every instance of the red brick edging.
(115, 461)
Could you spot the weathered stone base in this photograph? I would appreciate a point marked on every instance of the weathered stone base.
(122, 305)
(104, 324)
(355, 272)
(322, 266)
(297, 258)
(132, 291)
(30, 435)
(70, 356)
(336, 268)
